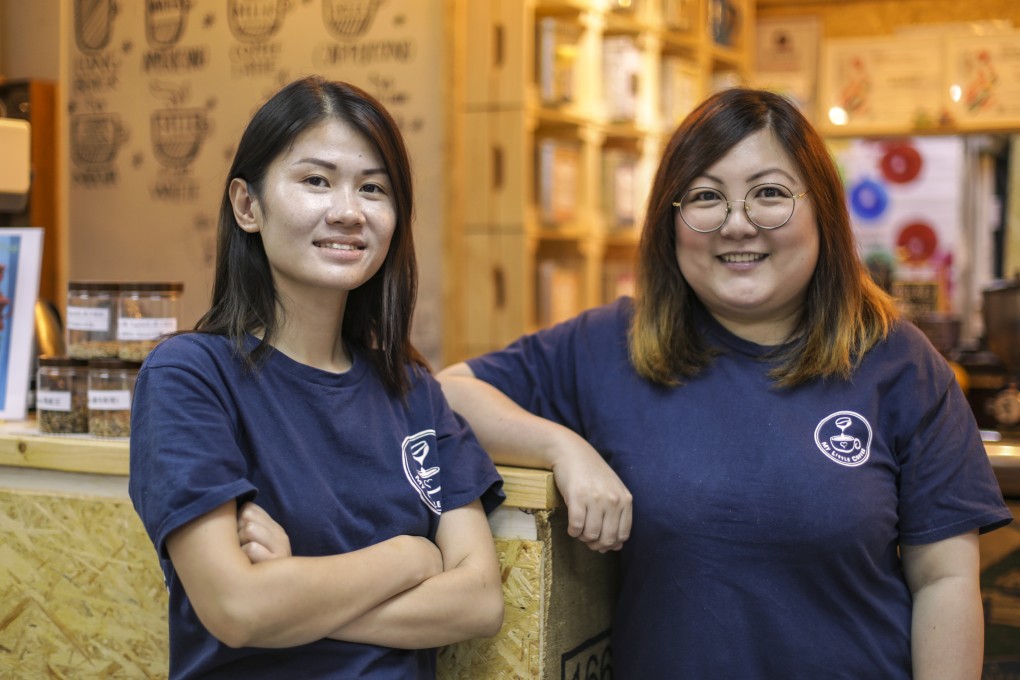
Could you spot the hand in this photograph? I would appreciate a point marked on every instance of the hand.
(599, 506)
(261, 537)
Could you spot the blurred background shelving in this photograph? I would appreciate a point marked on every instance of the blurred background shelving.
(562, 108)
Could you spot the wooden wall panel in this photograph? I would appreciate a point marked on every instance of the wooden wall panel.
(863, 18)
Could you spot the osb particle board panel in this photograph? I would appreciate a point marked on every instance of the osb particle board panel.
(81, 596)
(515, 653)
(559, 599)
(81, 593)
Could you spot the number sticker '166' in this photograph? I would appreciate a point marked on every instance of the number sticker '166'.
(591, 660)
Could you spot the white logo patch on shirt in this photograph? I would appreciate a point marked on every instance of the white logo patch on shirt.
(845, 438)
(421, 466)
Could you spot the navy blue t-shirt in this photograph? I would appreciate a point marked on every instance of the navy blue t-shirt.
(766, 522)
(338, 461)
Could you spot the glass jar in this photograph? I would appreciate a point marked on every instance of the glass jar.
(146, 311)
(111, 387)
(92, 319)
(61, 399)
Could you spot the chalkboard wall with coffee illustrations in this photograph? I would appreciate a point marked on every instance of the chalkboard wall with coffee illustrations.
(159, 91)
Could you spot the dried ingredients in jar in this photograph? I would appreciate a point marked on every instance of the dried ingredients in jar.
(92, 319)
(73, 421)
(93, 349)
(111, 387)
(110, 423)
(62, 395)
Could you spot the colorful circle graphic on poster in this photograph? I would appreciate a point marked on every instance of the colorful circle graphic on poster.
(901, 163)
(916, 242)
(868, 199)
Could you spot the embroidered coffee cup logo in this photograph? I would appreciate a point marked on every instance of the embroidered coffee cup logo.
(845, 438)
(421, 466)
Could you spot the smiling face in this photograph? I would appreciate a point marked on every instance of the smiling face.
(326, 213)
(753, 281)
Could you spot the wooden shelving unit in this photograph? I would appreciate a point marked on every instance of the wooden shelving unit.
(541, 135)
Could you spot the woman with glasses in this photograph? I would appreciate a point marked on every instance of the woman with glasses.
(794, 480)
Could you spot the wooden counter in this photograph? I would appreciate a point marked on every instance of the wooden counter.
(82, 595)
(22, 446)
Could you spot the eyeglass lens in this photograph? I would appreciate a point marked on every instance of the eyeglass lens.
(767, 206)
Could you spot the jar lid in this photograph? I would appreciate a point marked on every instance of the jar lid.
(153, 286)
(93, 285)
(61, 361)
(114, 364)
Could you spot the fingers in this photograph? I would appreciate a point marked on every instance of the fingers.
(257, 552)
(603, 524)
(599, 506)
(259, 536)
(250, 512)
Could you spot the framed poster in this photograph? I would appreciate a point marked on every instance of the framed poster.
(983, 74)
(877, 85)
(786, 59)
(20, 261)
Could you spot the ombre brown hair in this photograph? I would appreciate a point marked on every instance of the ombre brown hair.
(378, 314)
(845, 313)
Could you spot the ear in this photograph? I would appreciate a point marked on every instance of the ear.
(245, 205)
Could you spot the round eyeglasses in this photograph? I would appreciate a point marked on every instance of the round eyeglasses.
(767, 206)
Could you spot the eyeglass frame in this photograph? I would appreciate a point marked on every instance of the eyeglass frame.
(729, 207)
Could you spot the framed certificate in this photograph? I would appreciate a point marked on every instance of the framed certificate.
(871, 86)
(786, 59)
(983, 74)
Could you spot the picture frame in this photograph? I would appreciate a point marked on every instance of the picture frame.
(787, 51)
(21, 261)
(984, 80)
(876, 86)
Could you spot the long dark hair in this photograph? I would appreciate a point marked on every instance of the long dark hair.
(845, 313)
(378, 314)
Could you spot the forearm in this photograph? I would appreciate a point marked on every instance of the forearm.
(450, 607)
(464, 601)
(297, 600)
(510, 434)
(598, 503)
(947, 630)
(291, 600)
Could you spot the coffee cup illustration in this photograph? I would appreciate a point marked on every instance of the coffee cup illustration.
(419, 451)
(255, 19)
(347, 19)
(96, 137)
(93, 23)
(843, 442)
(164, 22)
(177, 135)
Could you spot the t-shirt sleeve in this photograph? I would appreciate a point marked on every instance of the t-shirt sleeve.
(184, 458)
(947, 485)
(468, 472)
(548, 373)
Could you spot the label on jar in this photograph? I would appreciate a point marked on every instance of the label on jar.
(109, 400)
(88, 319)
(145, 329)
(53, 400)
